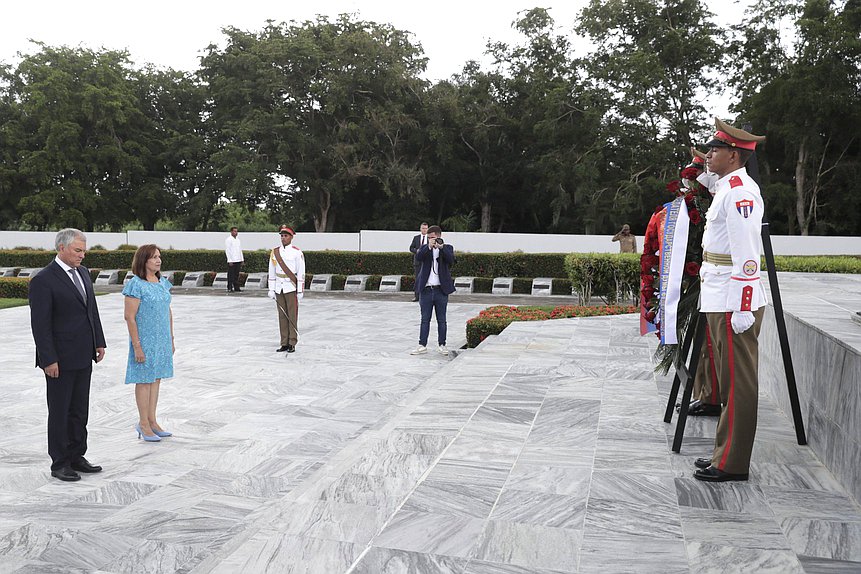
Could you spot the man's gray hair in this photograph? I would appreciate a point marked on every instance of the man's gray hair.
(66, 236)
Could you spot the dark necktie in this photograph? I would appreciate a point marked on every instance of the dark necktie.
(77, 281)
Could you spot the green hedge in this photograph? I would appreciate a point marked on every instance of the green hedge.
(335, 262)
(12, 287)
(817, 263)
(610, 276)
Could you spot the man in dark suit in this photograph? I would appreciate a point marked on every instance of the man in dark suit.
(68, 335)
(435, 284)
(418, 241)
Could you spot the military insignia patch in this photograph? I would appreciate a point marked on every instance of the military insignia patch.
(744, 207)
(749, 267)
(735, 181)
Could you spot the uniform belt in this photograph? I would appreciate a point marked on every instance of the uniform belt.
(282, 276)
(717, 259)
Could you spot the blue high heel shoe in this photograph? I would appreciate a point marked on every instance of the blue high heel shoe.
(162, 432)
(155, 438)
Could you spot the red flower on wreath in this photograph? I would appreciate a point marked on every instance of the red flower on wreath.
(692, 268)
(674, 186)
(695, 216)
(690, 173)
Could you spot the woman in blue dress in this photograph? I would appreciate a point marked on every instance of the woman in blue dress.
(150, 323)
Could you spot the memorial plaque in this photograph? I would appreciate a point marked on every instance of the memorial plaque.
(321, 282)
(220, 280)
(503, 286)
(542, 286)
(194, 279)
(356, 283)
(257, 281)
(464, 284)
(390, 283)
(29, 272)
(108, 277)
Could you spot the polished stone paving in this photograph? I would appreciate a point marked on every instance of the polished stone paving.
(543, 451)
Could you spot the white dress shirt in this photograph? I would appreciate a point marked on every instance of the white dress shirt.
(233, 249)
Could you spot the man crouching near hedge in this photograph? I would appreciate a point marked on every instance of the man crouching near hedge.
(434, 284)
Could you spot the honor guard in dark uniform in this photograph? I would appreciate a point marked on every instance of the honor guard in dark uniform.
(733, 299)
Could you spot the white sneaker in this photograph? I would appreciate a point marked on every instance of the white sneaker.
(443, 350)
(420, 350)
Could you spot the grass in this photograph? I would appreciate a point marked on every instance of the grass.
(6, 303)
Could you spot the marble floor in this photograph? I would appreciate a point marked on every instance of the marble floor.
(542, 451)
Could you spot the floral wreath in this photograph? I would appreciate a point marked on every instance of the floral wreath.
(697, 199)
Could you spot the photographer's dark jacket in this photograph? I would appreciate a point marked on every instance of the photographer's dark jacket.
(446, 259)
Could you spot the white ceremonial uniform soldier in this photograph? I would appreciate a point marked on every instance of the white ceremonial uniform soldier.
(287, 286)
(733, 299)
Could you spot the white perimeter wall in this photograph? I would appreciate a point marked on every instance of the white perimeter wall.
(391, 241)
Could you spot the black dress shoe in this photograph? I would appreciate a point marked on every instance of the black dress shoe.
(291, 348)
(237, 290)
(703, 462)
(712, 474)
(415, 299)
(701, 409)
(282, 348)
(66, 474)
(83, 465)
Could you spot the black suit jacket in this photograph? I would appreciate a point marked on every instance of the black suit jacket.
(65, 330)
(445, 260)
(416, 243)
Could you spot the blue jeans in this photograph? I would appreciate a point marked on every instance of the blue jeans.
(433, 299)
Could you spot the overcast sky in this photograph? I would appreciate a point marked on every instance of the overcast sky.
(175, 33)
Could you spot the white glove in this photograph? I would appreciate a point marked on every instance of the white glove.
(741, 321)
(708, 179)
(299, 295)
(272, 293)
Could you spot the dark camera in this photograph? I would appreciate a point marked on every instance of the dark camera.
(439, 241)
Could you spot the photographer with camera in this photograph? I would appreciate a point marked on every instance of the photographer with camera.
(434, 284)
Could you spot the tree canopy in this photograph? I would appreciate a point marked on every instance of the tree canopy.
(329, 124)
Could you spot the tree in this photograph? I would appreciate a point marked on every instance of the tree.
(659, 60)
(806, 97)
(77, 109)
(654, 64)
(328, 106)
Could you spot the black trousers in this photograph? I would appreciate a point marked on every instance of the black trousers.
(68, 411)
(417, 267)
(233, 275)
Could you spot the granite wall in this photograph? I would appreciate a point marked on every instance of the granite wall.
(828, 375)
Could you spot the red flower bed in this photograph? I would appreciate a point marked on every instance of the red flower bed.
(494, 320)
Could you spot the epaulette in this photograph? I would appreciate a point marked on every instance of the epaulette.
(296, 248)
(735, 181)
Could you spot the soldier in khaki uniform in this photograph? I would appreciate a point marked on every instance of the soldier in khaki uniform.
(627, 240)
(286, 286)
(733, 299)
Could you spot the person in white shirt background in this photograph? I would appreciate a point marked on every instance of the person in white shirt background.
(233, 250)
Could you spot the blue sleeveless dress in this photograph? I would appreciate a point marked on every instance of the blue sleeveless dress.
(153, 321)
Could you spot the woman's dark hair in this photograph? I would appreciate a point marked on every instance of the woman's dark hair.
(142, 255)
